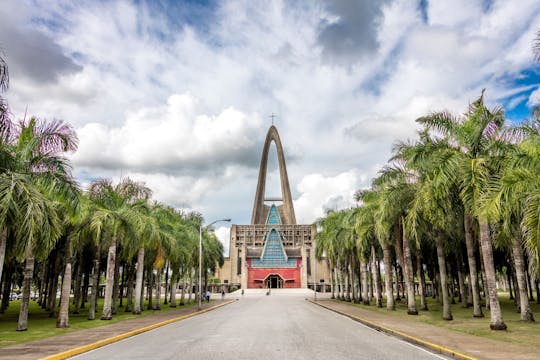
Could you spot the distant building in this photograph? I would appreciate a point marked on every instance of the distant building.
(274, 251)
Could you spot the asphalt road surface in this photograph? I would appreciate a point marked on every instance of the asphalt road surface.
(279, 326)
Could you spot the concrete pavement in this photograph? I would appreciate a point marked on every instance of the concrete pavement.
(56, 344)
(471, 346)
(257, 322)
(280, 326)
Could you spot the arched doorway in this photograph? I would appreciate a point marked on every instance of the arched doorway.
(273, 282)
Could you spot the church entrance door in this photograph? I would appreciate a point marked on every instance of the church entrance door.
(273, 282)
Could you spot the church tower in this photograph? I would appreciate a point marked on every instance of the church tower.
(273, 251)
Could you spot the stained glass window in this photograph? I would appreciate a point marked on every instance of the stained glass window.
(273, 216)
(274, 254)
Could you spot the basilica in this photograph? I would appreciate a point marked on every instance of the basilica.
(273, 251)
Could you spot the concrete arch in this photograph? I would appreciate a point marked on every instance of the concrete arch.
(259, 208)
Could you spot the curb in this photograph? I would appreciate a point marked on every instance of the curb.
(85, 348)
(409, 338)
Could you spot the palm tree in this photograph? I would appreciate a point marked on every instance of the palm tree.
(475, 139)
(32, 174)
(371, 199)
(513, 200)
(116, 218)
(396, 193)
(365, 227)
(328, 241)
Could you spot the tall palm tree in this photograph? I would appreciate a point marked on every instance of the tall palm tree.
(476, 139)
(396, 193)
(33, 172)
(118, 218)
(514, 201)
(371, 199)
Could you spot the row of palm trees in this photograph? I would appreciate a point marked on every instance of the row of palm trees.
(50, 228)
(461, 201)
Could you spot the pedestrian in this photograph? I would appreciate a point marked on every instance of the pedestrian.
(222, 294)
(242, 292)
(207, 295)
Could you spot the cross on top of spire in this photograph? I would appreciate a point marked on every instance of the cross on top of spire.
(272, 116)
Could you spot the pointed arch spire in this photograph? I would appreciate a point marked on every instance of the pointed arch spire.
(260, 210)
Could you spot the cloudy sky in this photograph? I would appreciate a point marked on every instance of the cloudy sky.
(179, 94)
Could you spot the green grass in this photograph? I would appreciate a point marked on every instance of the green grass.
(518, 332)
(41, 326)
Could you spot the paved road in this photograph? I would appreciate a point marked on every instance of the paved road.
(263, 327)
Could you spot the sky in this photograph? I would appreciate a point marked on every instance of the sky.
(179, 94)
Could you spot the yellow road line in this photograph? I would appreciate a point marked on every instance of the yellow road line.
(85, 348)
(441, 349)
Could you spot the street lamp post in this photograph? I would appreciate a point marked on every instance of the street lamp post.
(201, 227)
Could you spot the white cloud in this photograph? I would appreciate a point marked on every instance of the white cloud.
(223, 233)
(319, 193)
(175, 139)
(184, 105)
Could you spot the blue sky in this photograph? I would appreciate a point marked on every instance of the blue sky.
(178, 94)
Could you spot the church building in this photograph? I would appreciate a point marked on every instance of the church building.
(273, 251)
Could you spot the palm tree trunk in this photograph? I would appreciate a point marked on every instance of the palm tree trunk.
(371, 282)
(390, 304)
(139, 282)
(409, 275)
(335, 289)
(517, 295)
(396, 270)
(54, 286)
(6, 289)
(116, 282)
(183, 294)
(43, 285)
(129, 287)
(166, 283)
(150, 287)
(109, 281)
(421, 281)
(122, 287)
(525, 307)
(341, 284)
(376, 277)
(190, 288)
(141, 299)
(86, 283)
(509, 279)
(473, 275)
(3, 243)
(461, 283)
(355, 286)
(364, 274)
(347, 283)
(157, 305)
(399, 255)
(51, 261)
(497, 322)
(173, 289)
(447, 314)
(22, 324)
(529, 285)
(95, 286)
(63, 314)
(77, 290)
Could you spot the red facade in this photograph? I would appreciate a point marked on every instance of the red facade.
(290, 276)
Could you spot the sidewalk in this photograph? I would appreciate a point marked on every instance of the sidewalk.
(57, 344)
(469, 345)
